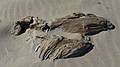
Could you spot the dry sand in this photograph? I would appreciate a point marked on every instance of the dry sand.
(15, 52)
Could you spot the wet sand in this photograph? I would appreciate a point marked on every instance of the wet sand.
(15, 52)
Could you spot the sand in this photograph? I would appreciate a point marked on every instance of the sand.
(15, 52)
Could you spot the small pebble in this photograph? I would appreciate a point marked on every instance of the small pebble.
(99, 3)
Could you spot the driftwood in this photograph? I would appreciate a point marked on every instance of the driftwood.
(56, 46)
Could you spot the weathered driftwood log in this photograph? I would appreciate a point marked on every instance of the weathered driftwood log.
(55, 46)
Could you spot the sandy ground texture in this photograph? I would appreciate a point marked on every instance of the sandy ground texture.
(15, 52)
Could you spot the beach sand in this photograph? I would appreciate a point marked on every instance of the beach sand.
(15, 52)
